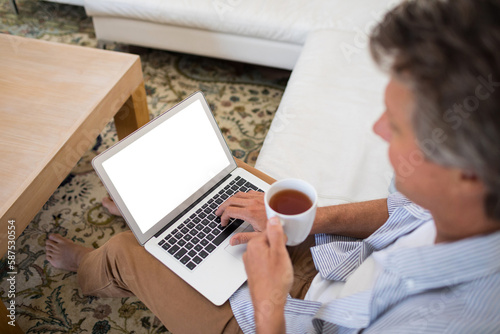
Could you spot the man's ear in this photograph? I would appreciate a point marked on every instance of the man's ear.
(469, 184)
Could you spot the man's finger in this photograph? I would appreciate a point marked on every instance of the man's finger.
(276, 234)
(239, 199)
(234, 212)
(242, 238)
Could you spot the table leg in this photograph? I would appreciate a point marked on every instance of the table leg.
(133, 114)
(4, 326)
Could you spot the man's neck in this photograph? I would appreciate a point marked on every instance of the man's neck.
(466, 221)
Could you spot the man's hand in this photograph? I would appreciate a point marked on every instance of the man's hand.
(270, 277)
(247, 206)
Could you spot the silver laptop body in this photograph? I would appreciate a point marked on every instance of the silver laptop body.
(161, 177)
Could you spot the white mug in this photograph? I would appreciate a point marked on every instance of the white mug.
(296, 226)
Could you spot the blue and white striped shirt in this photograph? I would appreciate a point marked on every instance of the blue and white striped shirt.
(442, 288)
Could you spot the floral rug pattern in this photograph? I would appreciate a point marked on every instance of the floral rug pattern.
(243, 98)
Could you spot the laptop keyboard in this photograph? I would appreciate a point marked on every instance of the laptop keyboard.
(200, 234)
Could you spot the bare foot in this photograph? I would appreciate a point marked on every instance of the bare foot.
(108, 203)
(63, 253)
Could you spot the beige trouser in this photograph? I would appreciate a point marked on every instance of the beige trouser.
(122, 268)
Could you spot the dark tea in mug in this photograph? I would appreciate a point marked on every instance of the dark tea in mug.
(290, 202)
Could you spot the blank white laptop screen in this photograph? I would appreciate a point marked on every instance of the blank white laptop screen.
(146, 178)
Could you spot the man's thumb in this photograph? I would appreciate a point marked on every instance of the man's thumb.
(242, 238)
(275, 233)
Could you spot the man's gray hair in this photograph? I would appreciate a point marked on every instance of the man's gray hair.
(448, 52)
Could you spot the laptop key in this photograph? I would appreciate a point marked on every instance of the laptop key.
(197, 259)
(210, 248)
(185, 259)
(227, 232)
(191, 265)
(166, 246)
(198, 248)
(181, 242)
(210, 237)
(195, 240)
(192, 253)
(161, 242)
(204, 242)
(173, 249)
(189, 245)
(180, 254)
(203, 254)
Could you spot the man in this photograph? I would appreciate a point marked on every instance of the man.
(384, 266)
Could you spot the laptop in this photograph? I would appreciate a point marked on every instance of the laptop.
(167, 179)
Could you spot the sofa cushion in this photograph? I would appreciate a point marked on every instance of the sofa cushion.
(322, 131)
(280, 20)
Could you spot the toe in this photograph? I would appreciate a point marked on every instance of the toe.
(56, 238)
(106, 202)
(49, 245)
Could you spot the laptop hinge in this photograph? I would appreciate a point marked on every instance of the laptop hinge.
(191, 206)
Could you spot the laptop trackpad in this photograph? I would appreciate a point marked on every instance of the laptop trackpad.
(238, 250)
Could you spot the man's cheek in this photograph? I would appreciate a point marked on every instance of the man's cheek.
(403, 164)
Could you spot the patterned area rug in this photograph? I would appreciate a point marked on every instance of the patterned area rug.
(243, 98)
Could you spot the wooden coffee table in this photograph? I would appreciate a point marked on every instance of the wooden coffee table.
(55, 99)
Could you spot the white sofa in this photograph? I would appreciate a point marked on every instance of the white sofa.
(322, 128)
(267, 32)
(322, 131)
